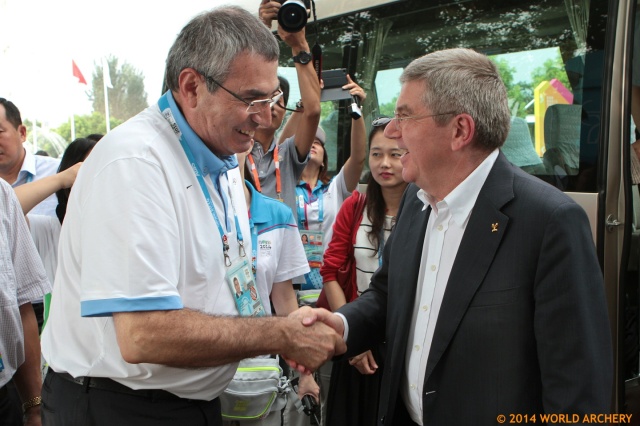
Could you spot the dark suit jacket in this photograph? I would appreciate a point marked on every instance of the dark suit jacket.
(523, 326)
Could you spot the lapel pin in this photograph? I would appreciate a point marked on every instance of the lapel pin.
(494, 227)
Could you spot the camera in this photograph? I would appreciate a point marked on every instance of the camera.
(293, 15)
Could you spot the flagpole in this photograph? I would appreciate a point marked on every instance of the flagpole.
(105, 75)
(80, 79)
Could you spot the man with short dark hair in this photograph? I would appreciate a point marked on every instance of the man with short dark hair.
(17, 165)
(144, 324)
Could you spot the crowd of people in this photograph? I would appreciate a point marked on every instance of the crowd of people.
(195, 242)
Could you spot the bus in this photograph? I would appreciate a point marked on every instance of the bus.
(567, 65)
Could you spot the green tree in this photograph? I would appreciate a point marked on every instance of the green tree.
(127, 97)
(388, 108)
(519, 94)
(87, 124)
(550, 69)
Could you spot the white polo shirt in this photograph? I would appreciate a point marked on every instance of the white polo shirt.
(138, 235)
(279, 252)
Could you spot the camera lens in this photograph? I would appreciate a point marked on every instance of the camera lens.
(292, 16)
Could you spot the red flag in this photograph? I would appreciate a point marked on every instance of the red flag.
(77, 73)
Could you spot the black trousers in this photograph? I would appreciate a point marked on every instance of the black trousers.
(10, 407)
(66, 403)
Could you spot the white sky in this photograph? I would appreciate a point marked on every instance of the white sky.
(39, 38)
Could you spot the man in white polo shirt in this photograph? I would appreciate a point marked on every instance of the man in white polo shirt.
(144, 325)
(17, 165)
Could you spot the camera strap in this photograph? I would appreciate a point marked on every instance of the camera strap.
(316, 50)
(316, 53)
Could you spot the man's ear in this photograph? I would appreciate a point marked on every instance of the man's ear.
(464, 130)
(22, 130)
(189, 82)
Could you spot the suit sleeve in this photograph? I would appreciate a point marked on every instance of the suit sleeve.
(571, 324)
(367, 315)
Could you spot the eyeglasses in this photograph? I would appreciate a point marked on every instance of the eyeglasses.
(400, 119)
(253, 107)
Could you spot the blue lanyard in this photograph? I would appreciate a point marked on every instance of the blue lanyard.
(166, 112)
(302, 201)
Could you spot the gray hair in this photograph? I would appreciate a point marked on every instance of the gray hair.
(464, 81)
(212, 40)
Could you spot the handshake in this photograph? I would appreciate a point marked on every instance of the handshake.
(316, 335)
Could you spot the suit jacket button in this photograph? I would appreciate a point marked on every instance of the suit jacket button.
(382, 419)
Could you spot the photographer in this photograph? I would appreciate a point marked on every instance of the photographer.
(278, 179)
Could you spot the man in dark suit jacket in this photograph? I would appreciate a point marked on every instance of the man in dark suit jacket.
(490, 297)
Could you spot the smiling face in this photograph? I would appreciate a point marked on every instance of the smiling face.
(221, 120)
(429, 157)
(384, 161)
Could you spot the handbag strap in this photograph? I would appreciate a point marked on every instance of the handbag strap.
(358, 211)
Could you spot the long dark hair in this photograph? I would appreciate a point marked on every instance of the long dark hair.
(376, 206)
(76, 152)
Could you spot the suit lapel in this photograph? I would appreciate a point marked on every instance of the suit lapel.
(476, 252)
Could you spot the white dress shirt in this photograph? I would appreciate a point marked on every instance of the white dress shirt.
(445, 229)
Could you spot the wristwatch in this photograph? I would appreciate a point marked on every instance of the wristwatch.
(302, 58)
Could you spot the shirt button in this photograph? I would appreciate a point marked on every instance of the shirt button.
(433, 267)
(439, 227)
(417, 347)
(425, 308)
(413, 387)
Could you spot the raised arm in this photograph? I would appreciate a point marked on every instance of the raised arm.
(31, 194)
(355, 163)
(309, 118)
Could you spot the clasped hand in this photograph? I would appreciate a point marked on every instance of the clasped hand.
(318, 340)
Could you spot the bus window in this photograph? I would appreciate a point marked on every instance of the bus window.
(549, 53)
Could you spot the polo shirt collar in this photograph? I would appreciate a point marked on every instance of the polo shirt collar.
(258, 215)
(206, 160)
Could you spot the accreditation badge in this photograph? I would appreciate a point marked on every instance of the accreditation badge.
(243, 288)
(312, 243)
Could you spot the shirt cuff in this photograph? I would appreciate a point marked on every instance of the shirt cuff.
(346, 326)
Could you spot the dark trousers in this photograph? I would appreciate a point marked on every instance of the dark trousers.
(66, 403)
(10, 408)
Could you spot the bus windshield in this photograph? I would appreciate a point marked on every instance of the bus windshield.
(549, 53)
